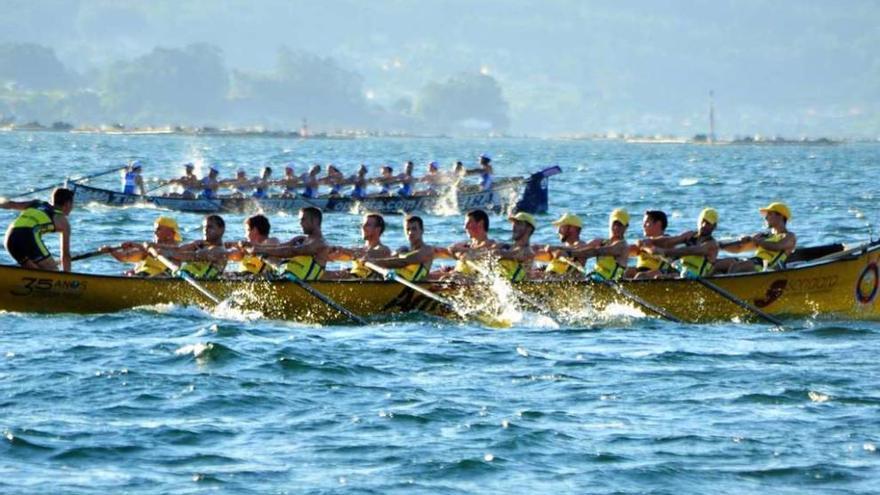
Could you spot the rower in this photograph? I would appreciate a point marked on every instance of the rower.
(697, 256)
(649, 265)
(569, 228)
(240, 185)
(433, 178)
(261, 185)
(372, 228)
(611, 254)
(304, 255)
(257, 230)
(24, 237)
(360, 183)
(412, 264)
(386, 179)
(205, 258)
(310, 182)
(289, 181)
(210, 184)
(335, 180)
(188, 183)
(407, 179)
(485, 172)
(476, 225)
(132, 181)
(166, 235)
(515, 260)
(771, 249)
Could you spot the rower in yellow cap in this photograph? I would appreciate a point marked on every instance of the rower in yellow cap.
(771, 248)
(166, 234)
(698, 252)
(569, 227)
(515, 260)
(612, 254)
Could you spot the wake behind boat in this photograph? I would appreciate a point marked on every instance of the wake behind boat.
(528, 194)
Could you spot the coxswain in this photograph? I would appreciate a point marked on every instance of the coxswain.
(649, 265)
(310, 182)
(515, 260)
(166, 235)
(262, 184)
(612, 254)
(771, 249)
(210, 184)
(413, 263)
(132, 181)
(359, 181)
(257, 232)
(568, 227)
(24, 237)
(305, 255)
(695, 252)
(205, 258)
(372, 228)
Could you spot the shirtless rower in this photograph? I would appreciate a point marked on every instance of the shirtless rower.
(305, 256)
(434, 179)
(24, 237)
(372, 228)
(166, 235)
(699, 251)
(188, 183)
(240, 185)
(412, 264)
(612, 254)
(771, 249)
(289, 182)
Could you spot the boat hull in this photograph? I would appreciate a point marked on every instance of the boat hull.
(845, 288)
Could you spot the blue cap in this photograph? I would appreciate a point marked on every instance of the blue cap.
(214, 168)
(136, 164)
(433, 165)
(485, 156)
(189, 165)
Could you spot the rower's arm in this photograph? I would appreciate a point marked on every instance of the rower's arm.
(288, 250)
(743, 244)
(787, 243)
(16, 205)
(424, 256)
(63, 228)
(444, 252)
(708, 249)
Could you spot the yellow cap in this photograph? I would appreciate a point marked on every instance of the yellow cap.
(780, 208)
(619, 215)
(569, 219)
(171, 224)
(524, 217)
(710, 215)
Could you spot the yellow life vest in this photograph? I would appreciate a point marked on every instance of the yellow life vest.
(513, 270)
(694, 266)
(463, 267)
(650, 262)
(202, 269)
(39, 217)
(359, 269)
(773, 260)
(302, 267)
(150, 267)
(413, 272)
(252, 264)
(607, 267)
(558, 266)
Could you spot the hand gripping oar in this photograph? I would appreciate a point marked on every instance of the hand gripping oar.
(616, 287)
(185, 276)
(317, 295)
(480, 316)
(730, 297)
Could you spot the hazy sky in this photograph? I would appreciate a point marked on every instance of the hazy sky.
(777, 67)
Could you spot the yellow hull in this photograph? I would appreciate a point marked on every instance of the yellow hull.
(845, 287)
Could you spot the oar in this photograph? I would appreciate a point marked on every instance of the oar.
(90, 254)
(317, 295)
(730, 297)
(481, 316)
(627, 294)
(185, 276)
(53, 186)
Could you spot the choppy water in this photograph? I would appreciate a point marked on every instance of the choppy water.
(179, 400)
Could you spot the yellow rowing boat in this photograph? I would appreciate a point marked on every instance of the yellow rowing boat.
(841, 285)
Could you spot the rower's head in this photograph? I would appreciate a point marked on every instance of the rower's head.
(267, 172)
(618, 221)
(166, 231)
(257, 228)
(332, 170)
(414, 228)
(214, 171)
(654, 224)
(315, 170)
(476, 224)
(408, 168)
(569, 227)
(188, 168)
(372, 227)
(387, 170)
(362, 170)
(707, 221)
(433, 167)
(524, 224)
(485, 159)
(288, 170)
(241, 174)
(310, 219)
(458, 169)
(776, 214)
(62, 199)
(213, 228)
(136, 166)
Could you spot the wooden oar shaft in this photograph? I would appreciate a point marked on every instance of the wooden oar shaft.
(318, 295)
(85, 256)
(628, 295)
(185, 276)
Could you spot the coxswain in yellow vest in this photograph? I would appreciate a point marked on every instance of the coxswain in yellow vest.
(24, 237)
(771, 249)
(372, 228)
(476, 248)
(569, 227)
(649, 265)
(257, 230)
(611, 254)
(696, 251)
(415, 263)
(304, 256)
(205, 258)
(166, 235)
(515, 260)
